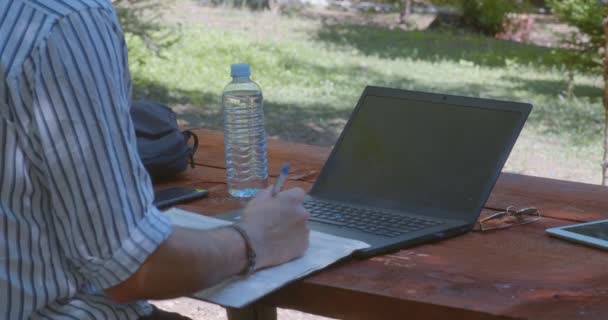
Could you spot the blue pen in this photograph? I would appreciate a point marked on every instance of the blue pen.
(280, 180)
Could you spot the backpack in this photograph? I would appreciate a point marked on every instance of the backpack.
(162, 147)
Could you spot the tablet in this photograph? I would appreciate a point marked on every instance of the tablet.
(594, 234)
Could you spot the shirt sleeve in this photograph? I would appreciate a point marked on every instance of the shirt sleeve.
(100, 192)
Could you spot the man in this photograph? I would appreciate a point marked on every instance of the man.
(79, 236)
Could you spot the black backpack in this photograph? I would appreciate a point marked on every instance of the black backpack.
(163, 148)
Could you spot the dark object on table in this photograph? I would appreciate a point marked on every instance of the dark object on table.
(171, 196)
(163, 148)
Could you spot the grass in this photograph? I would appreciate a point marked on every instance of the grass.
(312, 73)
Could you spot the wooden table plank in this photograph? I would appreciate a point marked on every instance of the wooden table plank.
(256, 311)
(214, 180)
(494, 273)
(342, 303)
(565, 200)
(559, 199)
(304, 167)
(506, 274)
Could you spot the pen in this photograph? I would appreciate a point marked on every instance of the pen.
(280, 180)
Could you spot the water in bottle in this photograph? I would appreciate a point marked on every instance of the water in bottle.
(244, 135)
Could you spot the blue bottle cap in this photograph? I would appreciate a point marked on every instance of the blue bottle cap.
(240, 70)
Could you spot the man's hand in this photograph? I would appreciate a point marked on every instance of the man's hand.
(277, 226)
(191, 260)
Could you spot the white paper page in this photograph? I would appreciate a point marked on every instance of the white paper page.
(238, 292)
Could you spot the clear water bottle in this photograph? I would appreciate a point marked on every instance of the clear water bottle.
(244, 136)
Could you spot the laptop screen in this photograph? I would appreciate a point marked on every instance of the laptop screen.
(419, 156)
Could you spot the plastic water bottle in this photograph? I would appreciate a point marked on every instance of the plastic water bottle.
(244, 136)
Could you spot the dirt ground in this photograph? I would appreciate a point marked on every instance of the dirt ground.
(199, 310)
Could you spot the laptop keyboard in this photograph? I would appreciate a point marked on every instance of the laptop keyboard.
(370, 220)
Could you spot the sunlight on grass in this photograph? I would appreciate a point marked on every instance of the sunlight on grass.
(314, 76)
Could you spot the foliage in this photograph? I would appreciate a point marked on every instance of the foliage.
(140, 19)
(452, 3)
(313, 73)
(538, 3)
(250, 4)
(316, 80)
(583, 45)
(486, 16)
(517, 27)
(586, 15)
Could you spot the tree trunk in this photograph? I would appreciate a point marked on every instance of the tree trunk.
(605, 159)
(274, 6)
(571, 83)
(406, 10)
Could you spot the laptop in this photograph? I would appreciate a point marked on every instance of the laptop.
(412, 167)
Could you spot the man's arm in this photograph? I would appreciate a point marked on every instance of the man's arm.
(190, 260)
(186, 262)
(100, 193)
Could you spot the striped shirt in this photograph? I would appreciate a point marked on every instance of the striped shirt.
(76, 213)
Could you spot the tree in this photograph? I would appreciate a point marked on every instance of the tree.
(587, 48)
(406, 10)
(582, 54)
(486, 16)
(605, 159)
(140, 18)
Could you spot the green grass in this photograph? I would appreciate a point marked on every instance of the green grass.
(313, 73)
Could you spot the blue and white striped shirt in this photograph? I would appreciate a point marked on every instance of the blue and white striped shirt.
(76, 213)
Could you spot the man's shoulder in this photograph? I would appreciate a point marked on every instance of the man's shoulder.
(30, 22)
(62, 8)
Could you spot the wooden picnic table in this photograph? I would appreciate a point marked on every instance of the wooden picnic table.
(514, 273)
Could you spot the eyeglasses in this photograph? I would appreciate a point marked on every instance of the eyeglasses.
(509, 218)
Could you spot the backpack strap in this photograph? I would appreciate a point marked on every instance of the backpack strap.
(187, 135)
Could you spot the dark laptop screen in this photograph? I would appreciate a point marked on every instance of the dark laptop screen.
(419, 156)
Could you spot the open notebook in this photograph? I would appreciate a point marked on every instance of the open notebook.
(238, 292)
